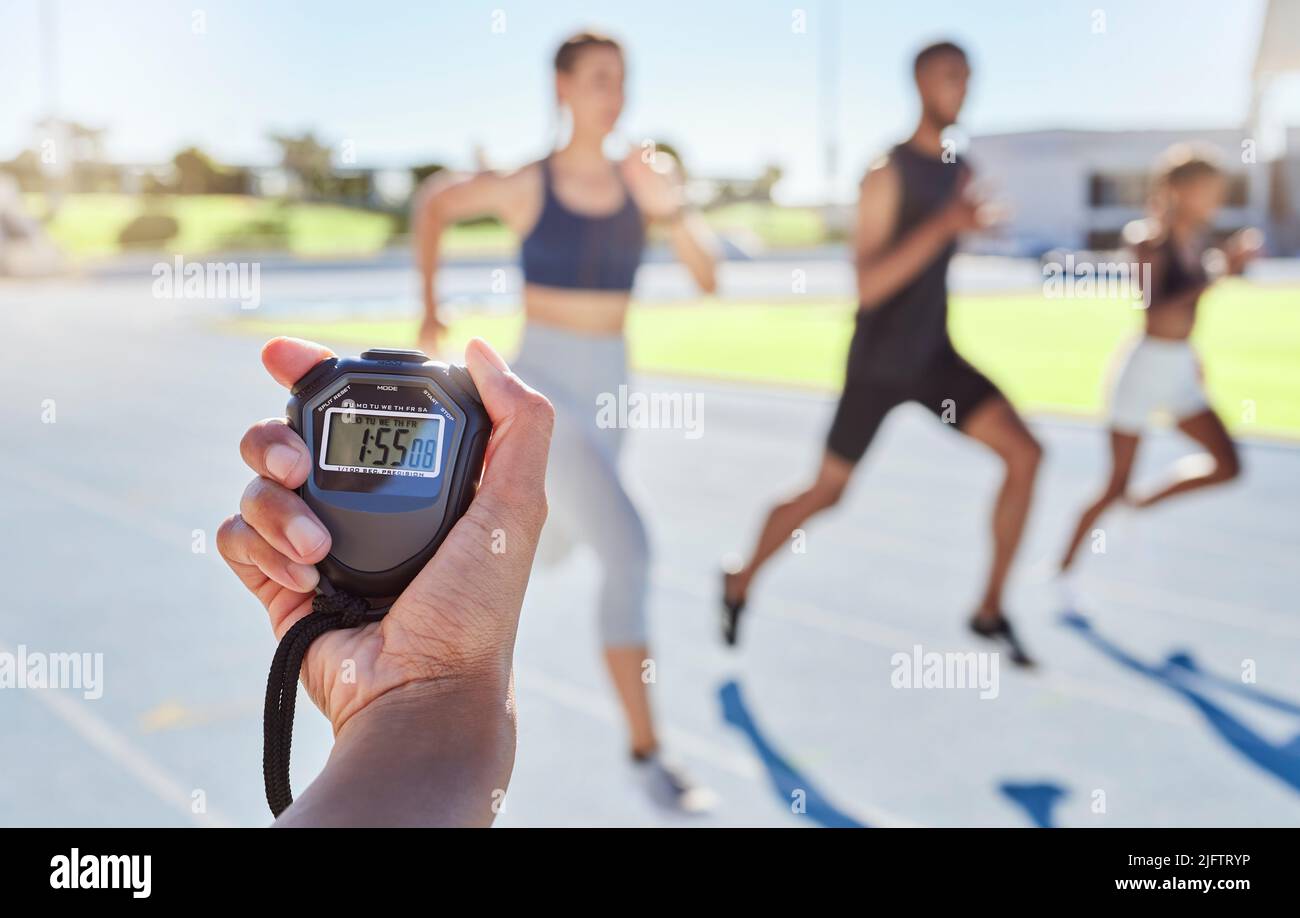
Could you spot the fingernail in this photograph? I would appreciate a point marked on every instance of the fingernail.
(281, 460)
(305, 575)
(305, 535)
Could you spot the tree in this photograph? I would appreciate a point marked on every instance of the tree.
(197, 173)
(308, 159)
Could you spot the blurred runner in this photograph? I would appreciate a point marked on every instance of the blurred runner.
(1159, 370)
(583, 221)
(914, 204)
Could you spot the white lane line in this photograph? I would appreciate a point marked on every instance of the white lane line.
(894, 640)
(742, 765)
(95, 731)
(98, 733)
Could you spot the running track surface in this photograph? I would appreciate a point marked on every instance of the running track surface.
(1140, 696)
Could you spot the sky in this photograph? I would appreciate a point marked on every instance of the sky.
(733, 84)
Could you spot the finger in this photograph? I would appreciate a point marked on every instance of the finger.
(282, 518)
(254, 560)
(289, 359)
(273, 450)
(468, 573)
(522, 419)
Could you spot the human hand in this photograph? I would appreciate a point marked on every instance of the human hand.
(656, 184)
(455, 623)
(1242, 248)
(968, 210)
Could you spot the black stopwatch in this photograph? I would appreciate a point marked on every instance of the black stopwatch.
(397, 443)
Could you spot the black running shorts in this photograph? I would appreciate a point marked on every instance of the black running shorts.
(950, 387)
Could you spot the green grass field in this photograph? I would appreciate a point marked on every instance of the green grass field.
(87, 226)
(1048, 355)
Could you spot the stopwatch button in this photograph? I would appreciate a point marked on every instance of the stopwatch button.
(308, 383)
(393, 353)
(461, 375)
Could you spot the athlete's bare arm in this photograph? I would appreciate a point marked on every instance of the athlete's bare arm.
(885, 267)
(660, 195)
(446, 199)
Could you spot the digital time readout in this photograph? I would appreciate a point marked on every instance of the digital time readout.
(383, 442)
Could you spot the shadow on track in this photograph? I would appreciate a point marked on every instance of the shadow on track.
(790, 785)
(1037, 800)
(1180, 673)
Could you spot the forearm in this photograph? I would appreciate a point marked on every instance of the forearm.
(424, 754)
(882, 276)
(428, 237)
(697, 248)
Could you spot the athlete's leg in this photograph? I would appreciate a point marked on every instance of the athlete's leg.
(588, 501)
(862, 406)
(1218, 464)
(1123, 450)
(789, 515)
(995, 423)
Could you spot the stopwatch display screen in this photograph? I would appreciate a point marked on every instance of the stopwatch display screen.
(383, 436)
(393, 443)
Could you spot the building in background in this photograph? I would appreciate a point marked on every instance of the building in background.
(1077, 189)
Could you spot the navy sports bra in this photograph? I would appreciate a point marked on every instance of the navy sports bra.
(1179, 276)
(578, 252)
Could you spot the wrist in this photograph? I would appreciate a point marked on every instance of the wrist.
(676, 215)
(431, 753)
(948, 225)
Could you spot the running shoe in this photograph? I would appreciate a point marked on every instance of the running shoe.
(1000, 631)
(731, 609)
(671, 788)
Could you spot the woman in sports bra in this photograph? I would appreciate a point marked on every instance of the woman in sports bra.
(583, 223)
(1159, 371)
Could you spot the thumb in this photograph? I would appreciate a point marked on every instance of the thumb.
(514, 476)
(463, 576)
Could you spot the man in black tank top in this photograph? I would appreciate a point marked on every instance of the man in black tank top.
(913, 207)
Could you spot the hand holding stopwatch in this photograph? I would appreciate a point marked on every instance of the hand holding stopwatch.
(397, 444)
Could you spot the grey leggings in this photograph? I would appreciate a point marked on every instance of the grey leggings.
(588, 502)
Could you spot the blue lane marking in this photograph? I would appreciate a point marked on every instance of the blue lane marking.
(1037, 800)
(785, 779)
(1281, 760)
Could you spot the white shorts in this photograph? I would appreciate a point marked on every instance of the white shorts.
(1154, 374)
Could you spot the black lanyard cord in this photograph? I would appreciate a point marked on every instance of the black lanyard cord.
(329, 611)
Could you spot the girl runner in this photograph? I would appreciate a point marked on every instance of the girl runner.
(1160, 370)
(583, 223)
